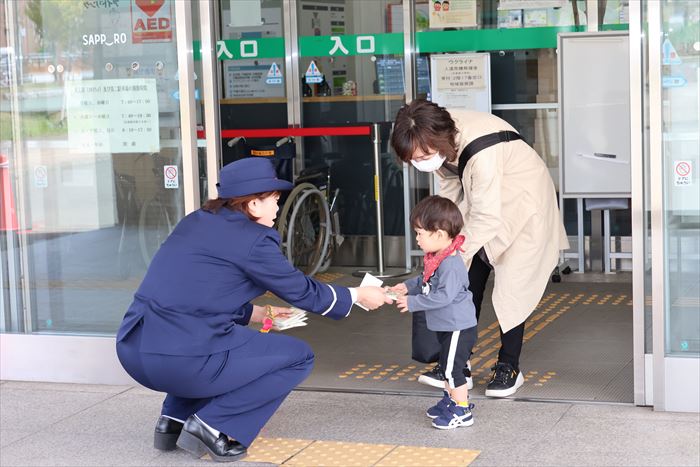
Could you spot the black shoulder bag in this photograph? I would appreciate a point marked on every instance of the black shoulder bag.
(483, 142)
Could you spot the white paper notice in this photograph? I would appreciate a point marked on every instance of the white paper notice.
(113, 115)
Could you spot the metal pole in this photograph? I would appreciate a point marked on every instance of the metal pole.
(580, 238)
(406, 217)
(376, 142)
(210, 80)
(381, 271)
(188, 119)
(637, 43)
(656, 206)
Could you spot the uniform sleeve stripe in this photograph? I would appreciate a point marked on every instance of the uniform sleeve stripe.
(335, 299)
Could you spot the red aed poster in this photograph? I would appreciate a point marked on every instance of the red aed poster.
(151, 21)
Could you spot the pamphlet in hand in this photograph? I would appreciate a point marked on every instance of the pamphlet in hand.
(369, 280)
(391, 295)
(296, 319)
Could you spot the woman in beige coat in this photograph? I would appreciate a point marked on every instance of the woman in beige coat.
(511, 217)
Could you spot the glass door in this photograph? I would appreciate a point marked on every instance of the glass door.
(351, 67)
(674, 55)
(91, 158)
(250, 50)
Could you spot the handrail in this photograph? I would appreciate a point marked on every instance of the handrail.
(296, 131)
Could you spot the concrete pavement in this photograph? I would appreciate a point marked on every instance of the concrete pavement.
(90, 425)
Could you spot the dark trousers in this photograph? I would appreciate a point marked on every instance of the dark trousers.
(235, 391)
(511, 341)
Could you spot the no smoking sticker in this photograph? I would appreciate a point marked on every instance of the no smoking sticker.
(170, 178)
(683, 173)
(41, 177)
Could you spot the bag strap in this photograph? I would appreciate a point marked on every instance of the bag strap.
(482, 143)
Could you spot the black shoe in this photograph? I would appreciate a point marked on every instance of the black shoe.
(505, 380)
(436, 378)
(198, 440)
(166, 433)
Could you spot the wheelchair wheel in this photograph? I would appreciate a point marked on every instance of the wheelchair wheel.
(308, 231)
(154, 227)
(283, 217)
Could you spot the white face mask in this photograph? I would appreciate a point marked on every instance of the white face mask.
(429, 165)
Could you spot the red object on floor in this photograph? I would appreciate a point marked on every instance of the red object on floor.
(8, 214)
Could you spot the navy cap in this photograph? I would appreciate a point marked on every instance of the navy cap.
(249, 176)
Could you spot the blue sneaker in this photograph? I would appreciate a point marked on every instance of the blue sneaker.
(454, 416)
(439, 408)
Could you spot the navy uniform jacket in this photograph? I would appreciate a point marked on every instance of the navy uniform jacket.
(197, 290)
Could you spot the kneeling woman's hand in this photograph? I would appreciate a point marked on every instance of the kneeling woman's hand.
(372, 297)
(260, 313)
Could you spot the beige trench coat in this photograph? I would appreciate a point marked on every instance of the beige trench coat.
(510, 208)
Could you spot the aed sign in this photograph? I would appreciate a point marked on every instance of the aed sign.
(151, 21)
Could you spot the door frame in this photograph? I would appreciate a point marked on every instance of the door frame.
(676, 380)
(638, 218)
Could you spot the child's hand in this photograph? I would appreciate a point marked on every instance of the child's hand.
(399, 289)
(402, 303)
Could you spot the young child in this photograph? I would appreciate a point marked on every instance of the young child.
(442, 292)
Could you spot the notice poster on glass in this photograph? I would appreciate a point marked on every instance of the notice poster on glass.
(112, 115)
(452, 13)
(253, 78)
(461, 81)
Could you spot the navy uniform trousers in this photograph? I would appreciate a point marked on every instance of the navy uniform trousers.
(235, 391)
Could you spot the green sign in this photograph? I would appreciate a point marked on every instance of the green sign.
(489, 39)
(351, 44)
(392, 43)
(242, 49)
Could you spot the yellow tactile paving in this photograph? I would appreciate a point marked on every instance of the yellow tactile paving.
(409, 456)
(551, 307)
(334, 453)
(304, 452)
(275, 450)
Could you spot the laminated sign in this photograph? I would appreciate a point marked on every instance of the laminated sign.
(113, 116)
(151, 21)
(682, 173)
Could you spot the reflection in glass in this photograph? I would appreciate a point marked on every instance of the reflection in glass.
(680, 97)
(98, 154)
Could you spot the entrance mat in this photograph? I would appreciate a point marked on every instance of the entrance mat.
(577, 346)
(300, 452)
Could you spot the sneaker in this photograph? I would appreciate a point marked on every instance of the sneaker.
(438, 409)
(468, 374)
(436, 378)
(505, 380)
(454, 416)
(433, 377)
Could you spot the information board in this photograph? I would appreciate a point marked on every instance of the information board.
(461, 81)
(594, 114)
(112, 115)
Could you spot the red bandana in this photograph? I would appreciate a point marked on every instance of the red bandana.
(431, 261)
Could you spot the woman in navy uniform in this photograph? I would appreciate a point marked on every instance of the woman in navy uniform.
(185, 332)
